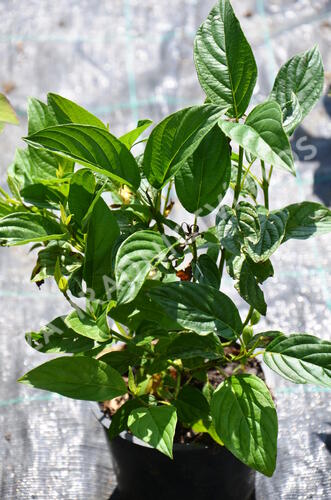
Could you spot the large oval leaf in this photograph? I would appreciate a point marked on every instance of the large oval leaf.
(135, 258)
(175, 139)
(307, 219)
(302, 75)
(263, 135)
(224, 60)
(245, 419)
(78, 378)
(92, 147)
(203, 179)
(21, 227)
(200, 308)
(300, 358)
(67, 111)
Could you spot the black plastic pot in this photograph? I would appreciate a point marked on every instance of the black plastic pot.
(195, 473)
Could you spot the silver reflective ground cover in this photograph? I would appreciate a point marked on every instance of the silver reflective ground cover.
(125, 59)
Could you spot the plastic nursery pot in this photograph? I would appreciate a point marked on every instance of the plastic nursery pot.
(195, 473)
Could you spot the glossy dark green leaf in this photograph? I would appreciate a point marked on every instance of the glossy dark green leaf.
(121, 360)
(206, 271)
(273, 226)
(302, 75)
(119, 421)
(200, 308)
(22, 227)
(249, 289)
(245, 419)
(156, 426)
(130, 138)
(135, 258)
(228, 231)
(39, 116)
(93, 147)
(187, 345)
(82, 187)
(86, 326)
(204, 178)
(307, 219)
(300, 358)
(224, 60)
(57, 337)
(263, 135)
(175, 139)
(248, 221)
(78, 378)
(67, 111)
(102, 234)
(191, 405)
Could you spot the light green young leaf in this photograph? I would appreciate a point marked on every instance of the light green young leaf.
(93, 147)
(307, 219)
(78, 378)
(203, 179)
(86, 326)
(67, 111)
(21, 227)
(135, 258)
(300, 358)
(7, 113)
(156, 426)
(224, 60)
(302, 75)
(175, 139)
(102, 233)
(130, 138)
(200, 308)
(245, 419)
(263, 135)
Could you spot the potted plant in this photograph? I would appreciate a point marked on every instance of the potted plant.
(151, 336)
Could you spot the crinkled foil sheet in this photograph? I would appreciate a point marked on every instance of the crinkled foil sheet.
(125, 59)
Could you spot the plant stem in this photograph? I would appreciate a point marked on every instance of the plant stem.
(238, 182)
(167, 197)
(265, 185)
(249, 315)
(222, 262)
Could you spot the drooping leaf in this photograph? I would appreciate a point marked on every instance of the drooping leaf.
(245, 419)
(263, 135)
(156, 426)
(307, 219)
(292, 114)
(102, 234)
(249, 289)
(273, 226)
(93, 147)
(300, 358)
(203, 179)
(57, 337)
(82, 187)
(206, 271)
(135, 258)
(302, 75)
(130, 137)
(78, 378)
(22, 227)
(67, 111)
(200, 308)
(224, 60)
(175, 139)
(86, 326)
(56, 251)
(191, 405)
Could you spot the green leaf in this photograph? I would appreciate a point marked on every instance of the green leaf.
(248, 221)
(78, 378)
(302, 75)
(6, 208)
(292, 114)
(206, 271)
(39, 116)
(200, 308)
(102, 234)
(47, 257)
(7, 113)
(56, 337)
(307, 219)
(224, 60)
(191, 405)
(119, 421)
(245, 419)
(67, 111)
(121, 360)
(204, 178)
(130, 138)
(273, 226)
(263, 135)
(227, 229)
(188, 345)
(156, 426)
(86, 326)
(261, 270)
(175, 139)
(249, 188)
(22, 227)
(300, 358)
(82, 187)
(249, 289)
(93, 147)
(135, 258)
